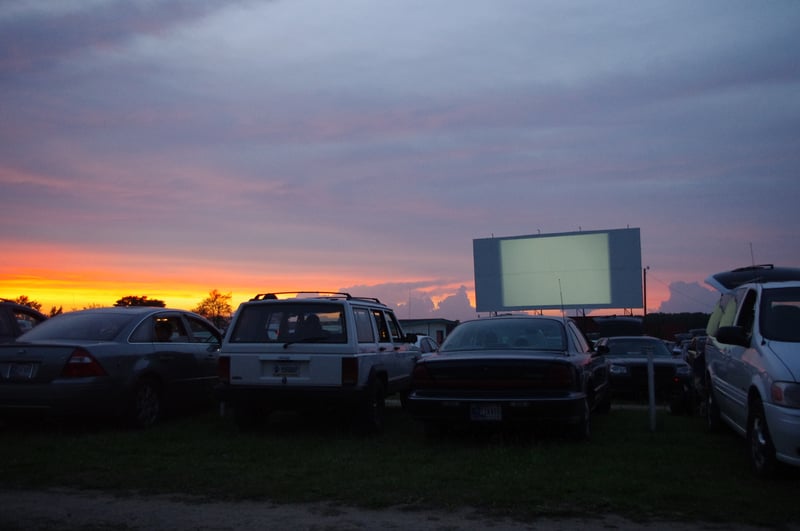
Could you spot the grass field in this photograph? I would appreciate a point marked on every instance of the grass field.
(679, 471)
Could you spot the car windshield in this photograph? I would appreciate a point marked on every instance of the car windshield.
(81, 326)
(507, 334)
(780, 314)
(637, 347)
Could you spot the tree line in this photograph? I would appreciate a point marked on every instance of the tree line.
(216, 307)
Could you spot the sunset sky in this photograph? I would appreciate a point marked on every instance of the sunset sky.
(171, 147)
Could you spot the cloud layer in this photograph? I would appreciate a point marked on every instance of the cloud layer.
(238, 144)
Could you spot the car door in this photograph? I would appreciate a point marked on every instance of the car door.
(204, 342)
(742, 362)
(178, 357)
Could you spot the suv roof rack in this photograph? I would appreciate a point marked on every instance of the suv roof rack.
(321, 295)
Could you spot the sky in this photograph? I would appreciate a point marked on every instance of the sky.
(167, 148)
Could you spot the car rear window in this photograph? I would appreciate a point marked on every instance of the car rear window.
(80, 326)
(290, 322)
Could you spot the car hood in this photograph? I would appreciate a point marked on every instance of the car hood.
(642, 360)
(789, 355)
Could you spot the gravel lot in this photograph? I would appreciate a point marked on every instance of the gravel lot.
(62, 509)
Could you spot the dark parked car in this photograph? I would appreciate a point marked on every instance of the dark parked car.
(16, 319)
(511, 370)
(131, 362)
(672, 376)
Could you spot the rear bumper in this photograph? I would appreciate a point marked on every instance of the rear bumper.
(569, 409)
(61, 397)
(291, 398)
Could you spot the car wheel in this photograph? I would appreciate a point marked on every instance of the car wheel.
(583, 430)
(713, 419)
(374, 408)
(761, 449)
(146, 406)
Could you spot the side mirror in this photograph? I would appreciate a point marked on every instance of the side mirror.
(411, 338)
(602, 349)
(733, 335)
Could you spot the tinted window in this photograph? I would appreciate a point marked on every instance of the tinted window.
(364, 329)
(530, 334)
(93, 326)
(637, 348)
(780, 314)
(284, 322)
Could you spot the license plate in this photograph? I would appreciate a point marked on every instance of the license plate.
(485, 412)
(286, 369)
(20, 371)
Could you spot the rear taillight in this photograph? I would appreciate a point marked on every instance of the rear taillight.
(349, 371)
(420, 376)
(81, 364)
(560, 377)
(224, 369)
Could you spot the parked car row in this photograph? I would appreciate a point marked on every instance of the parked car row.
(310, 351)
(334, 350)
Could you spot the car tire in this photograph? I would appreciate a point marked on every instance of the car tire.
(713, 419)
(146, 406)
(760, 448)
(582, 431)
(373, 412)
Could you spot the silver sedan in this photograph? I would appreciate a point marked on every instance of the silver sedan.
(133, 363)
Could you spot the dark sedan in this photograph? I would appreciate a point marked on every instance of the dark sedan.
(16, 319)
(511, 370)
(672, 376)
(134, 363)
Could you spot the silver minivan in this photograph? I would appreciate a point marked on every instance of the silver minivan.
(753, 362)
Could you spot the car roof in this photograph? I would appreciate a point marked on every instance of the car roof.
(315, 296)
(16, 305)
(730, 280)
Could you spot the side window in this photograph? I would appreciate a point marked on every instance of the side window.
(728, 304)
(201, 332)
(170, 329)
(747, 313)
(578, 338)
(364, 329)
(383, 327)
(26, 320)
(394, 328)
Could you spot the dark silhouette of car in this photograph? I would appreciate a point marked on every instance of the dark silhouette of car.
(629, 357)
(511, 371)
(16, 319)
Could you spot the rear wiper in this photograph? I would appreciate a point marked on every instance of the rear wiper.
(311, 339)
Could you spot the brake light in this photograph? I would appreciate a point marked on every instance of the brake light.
(560, 376)
(81, 364)
(349, 371)
(224, 369)
(420, 372)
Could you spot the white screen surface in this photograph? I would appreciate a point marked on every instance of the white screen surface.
(594, 269)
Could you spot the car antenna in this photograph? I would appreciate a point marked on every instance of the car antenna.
(561, 294)
(752, 256)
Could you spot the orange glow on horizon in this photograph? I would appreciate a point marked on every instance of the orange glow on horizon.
(74, 279)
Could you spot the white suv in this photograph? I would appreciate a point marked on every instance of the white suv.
(313, 351)
(753, 362)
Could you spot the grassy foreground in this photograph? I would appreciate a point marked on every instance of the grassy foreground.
(677, 472)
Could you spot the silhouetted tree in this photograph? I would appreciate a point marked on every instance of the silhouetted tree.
(216, 307)
(134, 300)
(55, 311)
(25, 301)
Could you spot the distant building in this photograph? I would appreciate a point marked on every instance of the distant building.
(436, 328)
